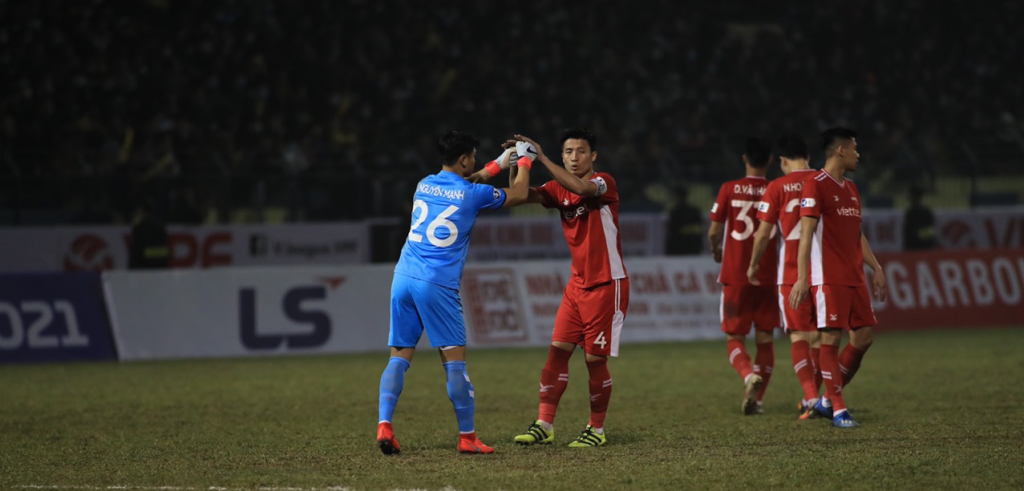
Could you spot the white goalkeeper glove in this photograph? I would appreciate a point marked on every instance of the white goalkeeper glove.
(497, 165)
(526, 150)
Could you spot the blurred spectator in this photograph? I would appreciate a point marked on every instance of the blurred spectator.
(227, 88)
(684, 234)
(149, 245)
(918, 224)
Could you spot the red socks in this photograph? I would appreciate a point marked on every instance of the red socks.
(816, 361)
(832, 376)
(554, 378)
(849, 361)
(804, 368)
(600, 391)
(764, 363)
(738, 358)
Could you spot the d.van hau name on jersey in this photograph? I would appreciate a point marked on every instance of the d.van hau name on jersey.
(444, 210)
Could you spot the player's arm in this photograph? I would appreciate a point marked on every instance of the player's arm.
(493, 167)
(519, 192)
(878, 278)
(719, 214)
(534, 195)
(574, 184)
(761, 238)
(715, 234)
(803, 265)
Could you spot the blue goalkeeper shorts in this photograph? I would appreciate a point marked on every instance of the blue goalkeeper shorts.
(418, 305)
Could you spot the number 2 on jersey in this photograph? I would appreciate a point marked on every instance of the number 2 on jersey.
(440, 221)
(795, 233)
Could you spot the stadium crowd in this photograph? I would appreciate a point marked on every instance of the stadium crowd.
(275, 93)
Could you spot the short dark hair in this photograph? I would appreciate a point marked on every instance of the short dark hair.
(792, 146)
(581, 134)
(455, 144)
(758, 152)
(832, 138)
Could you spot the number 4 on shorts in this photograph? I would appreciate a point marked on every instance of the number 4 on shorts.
(601, 341)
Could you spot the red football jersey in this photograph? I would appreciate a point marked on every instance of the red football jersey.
(736, 206)
(591, 226)
(835, 250)
(781, 205)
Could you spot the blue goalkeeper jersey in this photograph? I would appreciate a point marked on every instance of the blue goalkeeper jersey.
(444, 210)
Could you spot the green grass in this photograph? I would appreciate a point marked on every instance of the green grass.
(938, 409)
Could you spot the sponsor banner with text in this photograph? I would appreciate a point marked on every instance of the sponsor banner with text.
(968, 288)
(248, 311)
(297, 310)
(671, 299)
(205, 246)
(978, 228)
(541, 237)
(341, 309)
(53, 317)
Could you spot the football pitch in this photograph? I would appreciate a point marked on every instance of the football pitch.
(938, 409)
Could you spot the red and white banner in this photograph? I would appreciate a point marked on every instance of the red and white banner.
(968, 288)
(977, 228)
(515, 303)
(26, 249)
(296, 310)
(291, 310)
(541, 237)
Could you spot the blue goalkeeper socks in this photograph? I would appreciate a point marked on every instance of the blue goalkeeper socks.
(460, 391)
(391, 383)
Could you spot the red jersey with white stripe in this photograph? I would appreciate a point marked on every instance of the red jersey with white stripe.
(736, 207)
(781, 206)
(591, 226)
(835, 249)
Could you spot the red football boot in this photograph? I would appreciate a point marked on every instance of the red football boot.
(386, 439)
(471, 444)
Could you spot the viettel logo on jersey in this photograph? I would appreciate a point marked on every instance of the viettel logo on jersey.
(88, 253)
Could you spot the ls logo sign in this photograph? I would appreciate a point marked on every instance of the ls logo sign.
(294, 306)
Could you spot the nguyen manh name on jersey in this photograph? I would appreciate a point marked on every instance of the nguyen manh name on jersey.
(431, 190)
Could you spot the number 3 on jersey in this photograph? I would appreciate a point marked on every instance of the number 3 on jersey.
(743, 216)
(440, 221)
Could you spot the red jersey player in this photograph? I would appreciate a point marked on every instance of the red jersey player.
(594, 303)
(781, 206)
(831, 260)
(733, 223)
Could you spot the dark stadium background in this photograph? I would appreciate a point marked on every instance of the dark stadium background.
(245, 126)
(320, 110)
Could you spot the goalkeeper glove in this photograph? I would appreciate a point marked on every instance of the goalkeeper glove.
(497, 165)
(527, 154)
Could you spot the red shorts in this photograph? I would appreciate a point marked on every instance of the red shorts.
(842, 306)
(592, 317)
(799, 320)
(746, 305)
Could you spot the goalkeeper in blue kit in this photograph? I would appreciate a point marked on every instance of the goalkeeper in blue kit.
(425, 288)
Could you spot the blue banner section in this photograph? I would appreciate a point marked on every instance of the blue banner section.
(53, 317)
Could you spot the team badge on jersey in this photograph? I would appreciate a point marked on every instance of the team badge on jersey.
(602, 187)
(497, 194)
(763, 207)
(807, 203)
(714, 208)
